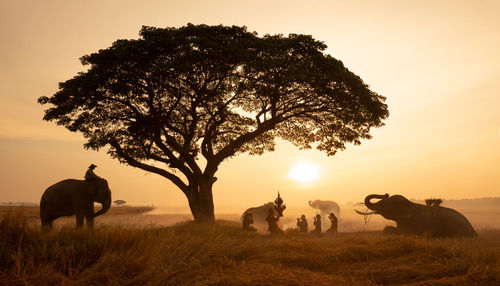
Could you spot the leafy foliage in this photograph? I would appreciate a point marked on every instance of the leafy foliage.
(218, 91)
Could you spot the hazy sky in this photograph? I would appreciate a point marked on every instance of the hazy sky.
(437, 62)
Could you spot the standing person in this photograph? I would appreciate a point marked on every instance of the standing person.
(334, 221)
(247, 222)
(90, 175)
(302, 223)
(272, 220)
(317, 224)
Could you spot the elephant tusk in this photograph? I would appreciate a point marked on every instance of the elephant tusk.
(366, 215)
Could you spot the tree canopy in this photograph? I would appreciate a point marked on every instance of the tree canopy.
(161, 101)
(119, 202)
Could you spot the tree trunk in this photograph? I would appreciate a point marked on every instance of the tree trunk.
(201, 201)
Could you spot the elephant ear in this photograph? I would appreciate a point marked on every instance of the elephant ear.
(408, 214)
(90, 190)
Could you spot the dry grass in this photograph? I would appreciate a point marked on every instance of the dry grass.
(30, 212)
(34, 211)
(222, 254)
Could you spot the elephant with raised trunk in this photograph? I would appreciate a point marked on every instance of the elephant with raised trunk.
(325, 207)
(75, 197)
(412, 218)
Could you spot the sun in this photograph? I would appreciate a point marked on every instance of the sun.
(304, 172)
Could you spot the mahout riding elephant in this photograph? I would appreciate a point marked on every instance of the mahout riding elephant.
(412, 218)
(75, 197)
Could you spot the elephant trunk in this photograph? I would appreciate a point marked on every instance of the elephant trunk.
(106, 204)
(371, 205)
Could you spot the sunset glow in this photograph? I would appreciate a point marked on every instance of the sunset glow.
(441, 139)
(304, 172)
(250, 142)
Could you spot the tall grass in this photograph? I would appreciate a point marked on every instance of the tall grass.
(222, 254)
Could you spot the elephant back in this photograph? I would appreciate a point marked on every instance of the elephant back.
(259, 213)
(326, 206)
(60, 199)
(449, 222)
(64, 186)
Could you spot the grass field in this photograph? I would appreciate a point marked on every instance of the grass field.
(194, 254)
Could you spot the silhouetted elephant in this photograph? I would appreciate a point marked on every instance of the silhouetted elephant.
(260, 213)
(74, 197)
(326, 207)
(413, 218)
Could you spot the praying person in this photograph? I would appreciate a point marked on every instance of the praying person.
(302, 223)
(272, 220)
(317, 224)
(334, 221)
(247, 223)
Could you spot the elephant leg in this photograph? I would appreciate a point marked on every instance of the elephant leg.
(391, 230)
(324, 223)
(89, 215)
(79, 220)
(46, 224)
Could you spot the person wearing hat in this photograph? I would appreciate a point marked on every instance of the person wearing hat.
(302, 223)
(90, 175)
(334, 221)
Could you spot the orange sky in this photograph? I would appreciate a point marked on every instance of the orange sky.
(437, 62)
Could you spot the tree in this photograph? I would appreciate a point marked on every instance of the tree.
(161, 101)
(119, 202)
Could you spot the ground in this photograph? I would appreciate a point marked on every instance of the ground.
(223, 254)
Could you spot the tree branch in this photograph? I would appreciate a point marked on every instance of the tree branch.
(135, 163)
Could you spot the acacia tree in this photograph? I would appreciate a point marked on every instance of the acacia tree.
(119, 202)
(159, 102)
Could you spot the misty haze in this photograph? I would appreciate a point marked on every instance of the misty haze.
(250, 143)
